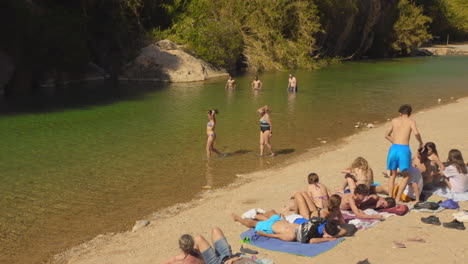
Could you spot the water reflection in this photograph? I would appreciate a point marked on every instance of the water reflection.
(291, 102)
(209, 175)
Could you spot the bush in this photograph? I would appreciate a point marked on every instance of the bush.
(411, 28)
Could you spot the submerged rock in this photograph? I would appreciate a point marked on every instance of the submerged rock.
(165, 61)
(139, 224)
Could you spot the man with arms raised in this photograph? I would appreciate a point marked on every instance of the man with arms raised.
(399, 154)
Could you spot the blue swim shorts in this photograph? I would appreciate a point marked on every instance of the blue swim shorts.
(399, 156)
(266, 226)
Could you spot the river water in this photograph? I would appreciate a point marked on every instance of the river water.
(95, 157)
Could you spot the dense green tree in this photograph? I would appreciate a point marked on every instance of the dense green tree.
(411, 28)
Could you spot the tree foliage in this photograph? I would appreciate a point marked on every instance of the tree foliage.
(411, 28)
(263, 34)
(448, 17)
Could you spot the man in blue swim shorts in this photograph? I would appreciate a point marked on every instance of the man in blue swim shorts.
(399, 155)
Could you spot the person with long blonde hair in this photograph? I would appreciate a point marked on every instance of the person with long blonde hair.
(266, 129)
(358, 172)
(210, 132)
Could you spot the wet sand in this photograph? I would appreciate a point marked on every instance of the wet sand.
(445, 125)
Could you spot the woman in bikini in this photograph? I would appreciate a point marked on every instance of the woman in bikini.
(307, 209)
(210, 132)
(266, 129)
(358, 173)
(316, 195)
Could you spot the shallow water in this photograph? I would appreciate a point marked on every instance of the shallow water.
(95, 157)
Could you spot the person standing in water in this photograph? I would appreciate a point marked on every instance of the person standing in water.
(210, 132)
(266, 129)
(292, 83)
(257, 84)
(399, 154)
(230, 84)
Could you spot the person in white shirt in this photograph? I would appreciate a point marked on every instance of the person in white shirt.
(456, 172)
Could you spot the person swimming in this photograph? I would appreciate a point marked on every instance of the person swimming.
(210, 132)
(265, 129)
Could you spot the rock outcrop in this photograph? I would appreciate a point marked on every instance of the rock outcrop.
(446, 51)
(165, 61)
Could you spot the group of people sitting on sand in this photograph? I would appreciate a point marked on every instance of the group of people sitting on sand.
(317, 211)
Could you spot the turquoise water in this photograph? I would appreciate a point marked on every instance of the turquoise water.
(93, 158)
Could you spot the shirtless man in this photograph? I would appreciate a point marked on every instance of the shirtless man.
(292, 83)
(230, 84)
(189, 254)
(257, 84)
(353, 202)
(399, 155)
(271, 224)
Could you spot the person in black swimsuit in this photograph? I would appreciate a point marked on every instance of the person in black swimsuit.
(265, 129)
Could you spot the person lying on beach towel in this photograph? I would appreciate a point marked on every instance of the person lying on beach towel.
(358, 198)
(271, 224)
(221, 253)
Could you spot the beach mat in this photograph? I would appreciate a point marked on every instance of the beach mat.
(296, 248)
(447, 193)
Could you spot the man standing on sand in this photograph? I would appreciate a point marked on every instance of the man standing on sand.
(257, 84)
(292, 83)
(399, 154)
(230, 84)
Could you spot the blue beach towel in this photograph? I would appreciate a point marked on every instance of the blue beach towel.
(308, 250)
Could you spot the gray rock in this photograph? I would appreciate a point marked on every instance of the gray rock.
(166, 44)
(139, 224)
(167, 64)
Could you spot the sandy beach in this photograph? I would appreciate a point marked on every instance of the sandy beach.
(445, 125)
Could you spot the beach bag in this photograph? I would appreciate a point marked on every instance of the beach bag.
(398, 210)
(449, 204)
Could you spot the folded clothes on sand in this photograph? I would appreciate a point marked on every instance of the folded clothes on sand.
(308, 250)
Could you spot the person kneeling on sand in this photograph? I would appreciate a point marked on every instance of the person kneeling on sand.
(189, 255)
(354, 201)
(412, 190)
(273, 225)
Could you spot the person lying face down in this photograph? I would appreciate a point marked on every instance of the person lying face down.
(271, 224)
(360, 198)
